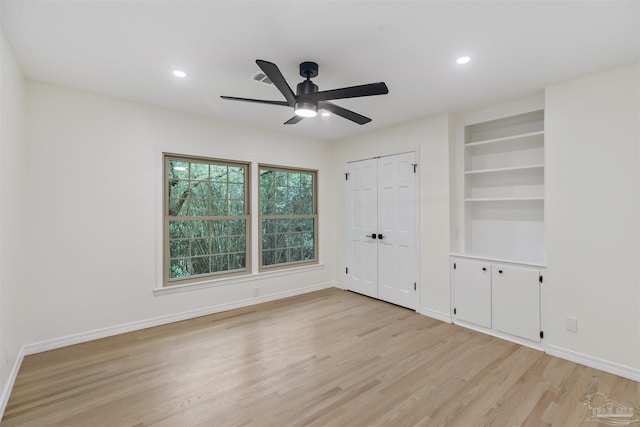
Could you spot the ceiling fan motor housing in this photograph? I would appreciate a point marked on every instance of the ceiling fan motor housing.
(306, 87)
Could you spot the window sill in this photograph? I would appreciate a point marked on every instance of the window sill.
(209, 283)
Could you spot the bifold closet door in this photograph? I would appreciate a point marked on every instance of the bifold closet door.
(397, 270)
(381, 213)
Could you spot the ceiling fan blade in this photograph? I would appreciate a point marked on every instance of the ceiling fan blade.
(349, 92)
(343, 112)
(259, 101)
(293, 120)
(273, 72)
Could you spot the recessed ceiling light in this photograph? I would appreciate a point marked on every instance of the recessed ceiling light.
(326, 114)
(179, 73)
(463, 60)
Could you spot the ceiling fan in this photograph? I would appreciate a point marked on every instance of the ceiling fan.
(307, 100)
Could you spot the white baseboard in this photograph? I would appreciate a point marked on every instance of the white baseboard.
(54, 343)
(594, 362)
(445, 317)
(503, 336)
(603, 365)
(6, 391)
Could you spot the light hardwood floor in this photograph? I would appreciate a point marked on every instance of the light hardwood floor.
(328, 358)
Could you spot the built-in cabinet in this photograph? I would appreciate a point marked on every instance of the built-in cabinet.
(500, 255)
(500, 298)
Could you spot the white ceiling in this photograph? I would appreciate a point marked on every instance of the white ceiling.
(128, 49)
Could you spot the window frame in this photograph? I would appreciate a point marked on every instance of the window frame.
(314, 216)
(167, 281)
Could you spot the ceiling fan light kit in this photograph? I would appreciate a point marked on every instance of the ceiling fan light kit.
(306, 109)
(307, 99)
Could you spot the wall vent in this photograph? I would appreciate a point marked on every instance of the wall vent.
(261, 77)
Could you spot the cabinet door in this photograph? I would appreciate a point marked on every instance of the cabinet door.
(472, 292)
(516, 301)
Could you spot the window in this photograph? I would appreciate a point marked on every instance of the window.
(206, 218)
(288, 217)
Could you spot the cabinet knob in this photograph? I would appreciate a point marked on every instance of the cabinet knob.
(484, 268)
(500, 271)
(373, 236)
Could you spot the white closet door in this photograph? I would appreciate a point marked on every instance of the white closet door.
(362, 220)
(381, 202)
(397, 227)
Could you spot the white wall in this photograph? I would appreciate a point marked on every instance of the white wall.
(592, 217)
(90, 187)
(431, 138)
(93, 173)
(13, 328)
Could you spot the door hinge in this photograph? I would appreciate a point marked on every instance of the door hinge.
(415, 287)
(415, 165)
(541, 334)
(346, 176)
(454, 265)
(346, 270)
(541, 279)
(454, 310)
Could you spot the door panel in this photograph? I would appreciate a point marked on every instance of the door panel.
(362, 217)
(397, 264)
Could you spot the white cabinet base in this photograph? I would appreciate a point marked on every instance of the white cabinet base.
(499, 299)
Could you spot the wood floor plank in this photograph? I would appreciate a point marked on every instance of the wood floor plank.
(327, 358)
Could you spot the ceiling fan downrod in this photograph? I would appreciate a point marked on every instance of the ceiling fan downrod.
(308, 70)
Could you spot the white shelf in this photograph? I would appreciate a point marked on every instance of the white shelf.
(504, 127)
(500, 170)
(503, 139)
(491, 258)
(506, 199)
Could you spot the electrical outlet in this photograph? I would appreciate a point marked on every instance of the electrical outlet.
(572, 324)
(256, 292)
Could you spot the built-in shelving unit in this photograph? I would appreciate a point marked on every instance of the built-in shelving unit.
(499, 261)
(503, 191)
